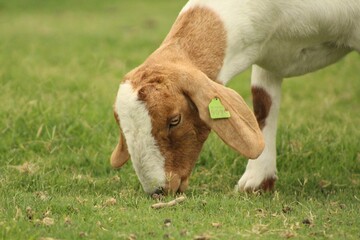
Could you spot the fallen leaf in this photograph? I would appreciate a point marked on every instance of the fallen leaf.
(202, 237)
(110, 202)
(80, 200)
(260, 228)
(26, 167)
(42, 195)
(132, 237)
(216, 224)
(288, 234)
(167, 222)
(183, 233)
(48, 221)
(115, 178)
(29, 213)
(324, 183)
(83, 234)
(166, 236)
(99, 224)
(67, 220)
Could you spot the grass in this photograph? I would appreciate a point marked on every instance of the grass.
(60, 66)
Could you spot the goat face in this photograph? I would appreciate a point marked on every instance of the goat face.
(163, 114)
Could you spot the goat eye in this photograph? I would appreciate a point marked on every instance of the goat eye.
(175, 121)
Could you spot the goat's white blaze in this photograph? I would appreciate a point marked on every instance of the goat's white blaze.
(135, 122)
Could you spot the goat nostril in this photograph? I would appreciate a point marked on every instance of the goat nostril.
(159, 191)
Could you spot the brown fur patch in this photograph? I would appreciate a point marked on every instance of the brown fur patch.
(200, 33)
(262, 104)
(197, 38)
(268, 184)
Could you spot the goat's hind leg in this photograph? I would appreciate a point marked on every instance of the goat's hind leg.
(260, 173)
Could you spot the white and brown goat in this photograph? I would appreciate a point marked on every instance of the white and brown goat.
(162, 106)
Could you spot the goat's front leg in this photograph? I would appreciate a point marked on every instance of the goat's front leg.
(260, 173)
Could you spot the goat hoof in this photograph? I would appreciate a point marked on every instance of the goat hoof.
(254, 184)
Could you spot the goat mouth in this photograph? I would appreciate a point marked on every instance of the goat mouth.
(172, 188)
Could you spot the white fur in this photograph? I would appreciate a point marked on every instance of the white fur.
(283, 38)
(136, 125)
(264, 167)
(286, 37)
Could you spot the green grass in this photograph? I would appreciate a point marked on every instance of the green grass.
(60, 66)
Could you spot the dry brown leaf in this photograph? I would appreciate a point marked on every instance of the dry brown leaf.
(167, 222)
(288, 234)
(29, 213)
(110, 202)
(47, 213)
(132, 237)
(42, 195)
(203, 237)
(216, 224)
(81, 200)
(324, 183)
(260, 228)
(48, 221)
(26, 167)
(67, 220)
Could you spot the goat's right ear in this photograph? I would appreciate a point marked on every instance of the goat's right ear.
(120, 155)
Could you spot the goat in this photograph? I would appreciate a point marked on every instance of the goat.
(162, 105)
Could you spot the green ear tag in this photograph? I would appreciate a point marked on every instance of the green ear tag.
(217, 110)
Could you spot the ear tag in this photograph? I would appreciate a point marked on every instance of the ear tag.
(217, 110)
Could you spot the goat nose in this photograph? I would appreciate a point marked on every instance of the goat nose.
(159, 191)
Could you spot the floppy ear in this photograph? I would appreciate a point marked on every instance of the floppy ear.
(241, 130)
(120, 155)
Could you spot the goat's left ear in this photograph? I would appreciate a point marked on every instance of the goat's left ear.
(241, 130)
(120, 155)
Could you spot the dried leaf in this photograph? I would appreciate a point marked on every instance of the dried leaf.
(42, 195)
(67, 220)
(167, 222)
(324, 183)
(216, 224)
(80, 200)
(26, 167)
(83, 234)
(29, 213)
(47, 213)
(132, 237)
(110, 202)
(288, 234)
(203, 237)
(260, 228)
(48, 221)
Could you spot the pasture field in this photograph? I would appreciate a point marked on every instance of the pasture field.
(60, 66)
